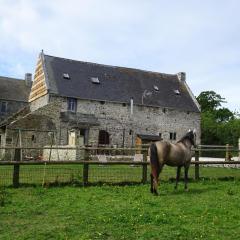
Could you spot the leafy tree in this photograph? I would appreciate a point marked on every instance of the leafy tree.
(209, 100)
(223, 115)
(218, 124)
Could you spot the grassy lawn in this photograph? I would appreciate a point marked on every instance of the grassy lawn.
(210, 210)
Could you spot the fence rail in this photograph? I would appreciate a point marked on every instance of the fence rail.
(41, 172)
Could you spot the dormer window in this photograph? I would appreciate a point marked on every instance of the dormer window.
(156, 88)
(66, 76)
(95, 80)
(177, 92)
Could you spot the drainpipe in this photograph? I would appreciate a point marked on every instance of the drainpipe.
(131, 106)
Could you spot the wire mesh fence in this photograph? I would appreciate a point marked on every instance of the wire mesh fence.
(48, 175)
(116, 167)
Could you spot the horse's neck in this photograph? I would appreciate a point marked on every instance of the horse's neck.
(187, 143)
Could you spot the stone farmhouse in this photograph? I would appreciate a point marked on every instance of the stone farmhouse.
(96, 104)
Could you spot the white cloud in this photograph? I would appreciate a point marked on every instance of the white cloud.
(199, 37)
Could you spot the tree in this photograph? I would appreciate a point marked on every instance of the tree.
(209, 100)
(218, 124)
(223, 115)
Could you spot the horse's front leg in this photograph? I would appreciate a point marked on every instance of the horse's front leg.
(186, 168)
(178, 176)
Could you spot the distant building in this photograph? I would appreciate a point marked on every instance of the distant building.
(14, 94)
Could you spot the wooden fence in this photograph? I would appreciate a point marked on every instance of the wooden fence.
(142, 177)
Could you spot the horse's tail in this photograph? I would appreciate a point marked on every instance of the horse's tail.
(154, 158)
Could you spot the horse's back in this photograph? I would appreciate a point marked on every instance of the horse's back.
(171, 154)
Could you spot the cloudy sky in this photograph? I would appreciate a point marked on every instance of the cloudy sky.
(199, 37)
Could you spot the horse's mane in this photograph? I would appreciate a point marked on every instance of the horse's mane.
(189, 135)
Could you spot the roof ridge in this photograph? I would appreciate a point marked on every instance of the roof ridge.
(113, 66)
(10, 78)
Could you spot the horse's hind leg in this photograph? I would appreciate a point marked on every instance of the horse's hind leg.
(155, 180)
(178, 176)
(151, 189)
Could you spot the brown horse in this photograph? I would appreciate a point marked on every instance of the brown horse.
(175, 155)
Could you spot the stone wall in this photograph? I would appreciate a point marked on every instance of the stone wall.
(60, 154)
(40, 102)
(116, 119)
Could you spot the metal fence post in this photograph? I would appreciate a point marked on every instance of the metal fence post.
(16, 168)
(85, 167)
(144, 168)
(197, 165)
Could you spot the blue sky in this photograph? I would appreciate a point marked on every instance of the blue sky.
(201, 38)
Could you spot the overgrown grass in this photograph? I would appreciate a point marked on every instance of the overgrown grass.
(210, 210)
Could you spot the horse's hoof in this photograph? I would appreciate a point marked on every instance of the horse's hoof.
(151, 190)
(186, 190)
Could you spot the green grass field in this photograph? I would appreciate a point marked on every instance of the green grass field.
(210, 210)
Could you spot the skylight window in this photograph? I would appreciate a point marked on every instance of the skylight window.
(156, 88)
(66, 76)
(177, 92)
(95, 80)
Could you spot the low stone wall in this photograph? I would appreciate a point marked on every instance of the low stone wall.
(221, 162)
(60, 154)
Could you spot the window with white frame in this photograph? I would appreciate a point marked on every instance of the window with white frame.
(72, 104)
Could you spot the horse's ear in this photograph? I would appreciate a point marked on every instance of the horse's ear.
(194, 131)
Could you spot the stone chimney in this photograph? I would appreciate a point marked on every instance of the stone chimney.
(181, 76)
(28, 79)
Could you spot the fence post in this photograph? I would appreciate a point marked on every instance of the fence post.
(16, 168)
(197, 165)
(239, 149)
(85, 167)
(144, 167)
(227, 152)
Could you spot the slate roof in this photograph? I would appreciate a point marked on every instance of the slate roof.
(117, 84)
(14, 89)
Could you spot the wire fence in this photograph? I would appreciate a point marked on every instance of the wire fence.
(118, 166)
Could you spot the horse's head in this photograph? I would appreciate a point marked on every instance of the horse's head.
(191, 135)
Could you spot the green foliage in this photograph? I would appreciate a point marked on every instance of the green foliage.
(209, 100)
(219, 125)
(223, 115)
